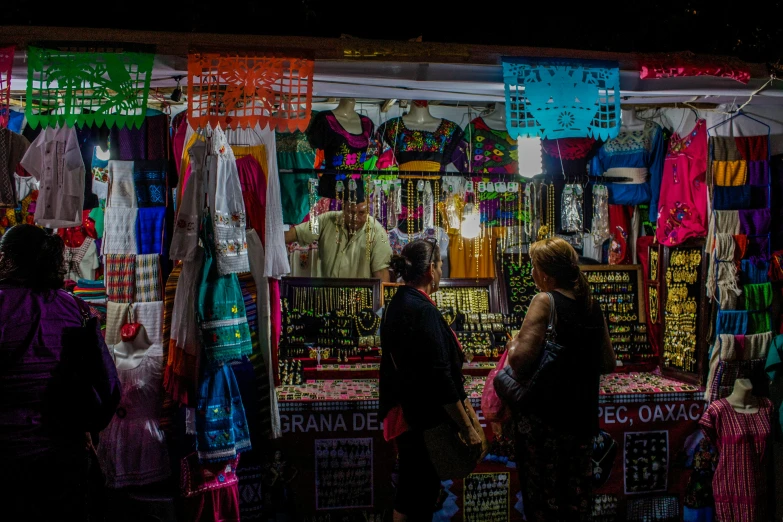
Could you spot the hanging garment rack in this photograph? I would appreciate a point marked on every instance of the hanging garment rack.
(429, 175)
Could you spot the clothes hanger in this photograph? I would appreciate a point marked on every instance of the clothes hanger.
(737, 114)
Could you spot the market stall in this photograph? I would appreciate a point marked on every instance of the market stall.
(225, 242)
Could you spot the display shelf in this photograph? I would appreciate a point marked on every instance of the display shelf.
(684, 311)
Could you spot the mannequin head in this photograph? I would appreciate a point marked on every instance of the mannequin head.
(347, 104)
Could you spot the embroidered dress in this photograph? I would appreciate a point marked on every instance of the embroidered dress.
(227, 207)
(221, 310)
(149, 180)
(122, 190)
(133, 450)
(740, 484)
(425, 150)
(54, 159)
(81, 262)
(221, 425)
(636, 154)
(190, 207)
(682, 209)
(12, 149)
(492, 151)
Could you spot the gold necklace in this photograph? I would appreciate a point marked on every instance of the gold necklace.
(408, 214)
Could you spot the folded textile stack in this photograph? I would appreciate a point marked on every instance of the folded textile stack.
(93, 293)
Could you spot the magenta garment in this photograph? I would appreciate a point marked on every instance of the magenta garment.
(682, 208)
(253, 181)
(178, 142)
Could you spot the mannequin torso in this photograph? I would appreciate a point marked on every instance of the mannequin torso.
(419, 118)
(742, 399)
(347, 117)
(130, 354)
(496, 120)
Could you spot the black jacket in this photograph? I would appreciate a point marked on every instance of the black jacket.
(428, 371)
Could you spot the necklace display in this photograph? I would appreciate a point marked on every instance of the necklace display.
(322, 300)
(313, 199)
(680, 311)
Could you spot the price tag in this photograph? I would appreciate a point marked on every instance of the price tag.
(513, 187)
(490, 187)
(482, 187)
(500, 187)
(469, 186)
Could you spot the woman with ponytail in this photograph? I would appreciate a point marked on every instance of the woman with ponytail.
(58, 383)
(554, 442)
(420, 379)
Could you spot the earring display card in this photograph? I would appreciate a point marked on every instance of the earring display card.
(519, 285)
(486, 497)
(343, 473)
(658, 509)
(646, 461)
(604, 508)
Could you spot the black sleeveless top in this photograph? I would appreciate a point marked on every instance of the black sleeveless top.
(580, 331)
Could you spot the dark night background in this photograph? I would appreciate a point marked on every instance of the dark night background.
(752, 31)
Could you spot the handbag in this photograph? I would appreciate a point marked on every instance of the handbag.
(521, 394)
(493, 408)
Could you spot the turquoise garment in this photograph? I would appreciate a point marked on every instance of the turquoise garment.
(773, 367)
(225, 334)
(221, 426)
(294, 152)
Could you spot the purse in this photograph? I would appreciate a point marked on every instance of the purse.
(522, 394)
(492, 406)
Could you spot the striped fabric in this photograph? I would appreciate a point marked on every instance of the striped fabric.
(148, 278)
(169, 406)
(740, 484)
(263, 390)
(120, 277)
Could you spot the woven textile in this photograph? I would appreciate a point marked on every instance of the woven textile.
(68, 88)
(221, 425)
(221, 309)
(120, 275)
(244, 91)
(149, 180)
(730, 173)
(122, 192)
(116, 316)
(169, 405)
(150, 229)
(119, 231)
(151, 316)
(148, 278)
(728, 372)
(129, 144)
(157, 137)
(556, 98)
(6, 64)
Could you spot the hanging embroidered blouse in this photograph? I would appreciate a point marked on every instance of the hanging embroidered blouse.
(55, 160)
(682, 208)
(342, 150)
(638, 155)
(425, 150)
(492, 151)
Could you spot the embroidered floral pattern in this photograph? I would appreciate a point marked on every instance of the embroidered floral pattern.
(492, 151)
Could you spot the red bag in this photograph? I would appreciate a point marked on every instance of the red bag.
(492, 407)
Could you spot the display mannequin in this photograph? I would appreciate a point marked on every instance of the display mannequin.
(349, 119)
(496, 120)
(742, 398)
(631, 122)
(129, 354)
(420, 118)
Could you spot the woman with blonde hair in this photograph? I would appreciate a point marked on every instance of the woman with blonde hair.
(554, 435)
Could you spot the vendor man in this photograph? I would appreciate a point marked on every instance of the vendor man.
(342, 243)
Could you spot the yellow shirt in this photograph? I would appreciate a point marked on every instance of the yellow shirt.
(349, 258)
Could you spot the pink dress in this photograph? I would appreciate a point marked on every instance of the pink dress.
(744, 442)
(682, 206)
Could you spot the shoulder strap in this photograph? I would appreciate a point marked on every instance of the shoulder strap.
(550, 329)
(85, 313)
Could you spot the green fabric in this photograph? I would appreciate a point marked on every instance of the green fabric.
(758, 297)
(88, 88)
(96, 215)
(294, 152)
(222, 317)
(758, 322)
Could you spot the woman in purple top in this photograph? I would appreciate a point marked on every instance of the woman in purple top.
(58, 382)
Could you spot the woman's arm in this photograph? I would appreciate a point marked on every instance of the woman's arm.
(525, 348)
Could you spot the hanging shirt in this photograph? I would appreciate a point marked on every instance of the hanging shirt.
(348, 259)
(682, 208)
(633, 154)
(55, 161)
(430, 151)
(294, 152)
(12, 148)
(492, 151)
